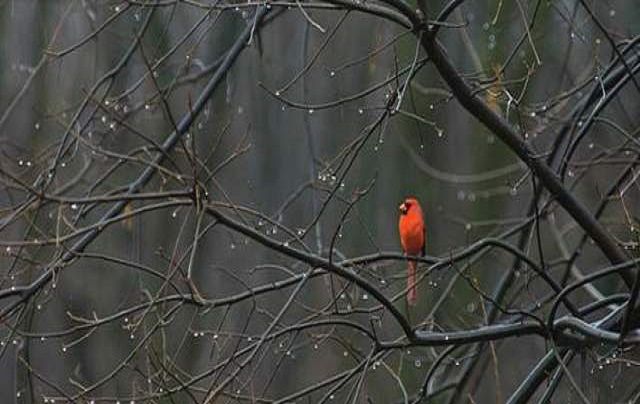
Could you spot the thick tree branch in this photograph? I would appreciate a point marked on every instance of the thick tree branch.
(501, 128)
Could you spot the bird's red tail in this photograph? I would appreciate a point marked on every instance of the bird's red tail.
(412, 292)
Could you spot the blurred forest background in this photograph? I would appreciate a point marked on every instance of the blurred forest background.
(171, 170)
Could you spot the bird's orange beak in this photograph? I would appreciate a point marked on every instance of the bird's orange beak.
(403, 208)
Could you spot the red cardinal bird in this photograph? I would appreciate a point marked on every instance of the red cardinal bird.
(411, 227)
